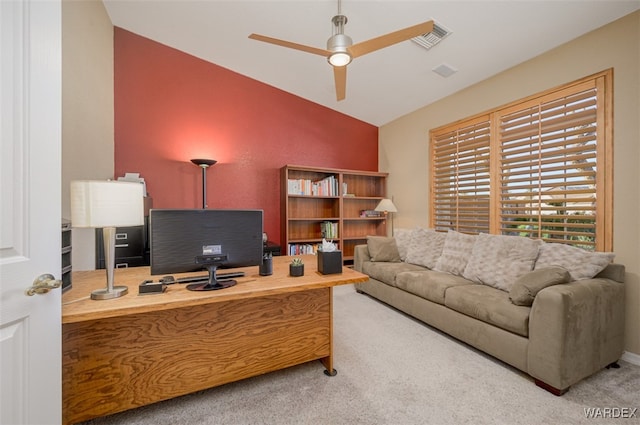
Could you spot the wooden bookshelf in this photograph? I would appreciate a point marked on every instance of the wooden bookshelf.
(311, 196)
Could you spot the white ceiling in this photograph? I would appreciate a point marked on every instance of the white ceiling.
(487, 38)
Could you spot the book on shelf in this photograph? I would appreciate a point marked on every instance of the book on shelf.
(371, 213)
(302, 248)
(327, 186)
(329, 229)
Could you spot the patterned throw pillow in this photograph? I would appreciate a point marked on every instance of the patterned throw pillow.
(455, 253)
(498, 260)
(382, 248)
(425, 247)
(403, 239)
(581, 264)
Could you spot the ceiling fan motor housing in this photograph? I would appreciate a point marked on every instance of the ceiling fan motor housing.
(339, 43)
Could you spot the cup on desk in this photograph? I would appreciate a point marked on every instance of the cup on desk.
(266, 267)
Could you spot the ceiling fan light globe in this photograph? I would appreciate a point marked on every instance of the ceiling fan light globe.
(339, 59)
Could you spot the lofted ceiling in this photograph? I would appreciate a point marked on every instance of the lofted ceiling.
(486, 38)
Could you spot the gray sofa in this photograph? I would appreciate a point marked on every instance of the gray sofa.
(543, 316)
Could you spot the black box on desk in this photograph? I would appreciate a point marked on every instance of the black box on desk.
(330, 262)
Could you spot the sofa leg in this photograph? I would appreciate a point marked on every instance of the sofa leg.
(613, 365)
(553, 390)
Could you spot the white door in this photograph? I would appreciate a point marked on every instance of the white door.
(30, 240)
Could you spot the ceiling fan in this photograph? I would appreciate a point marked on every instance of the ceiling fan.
(341, 51)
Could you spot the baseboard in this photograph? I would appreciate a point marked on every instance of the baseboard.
(631, 358)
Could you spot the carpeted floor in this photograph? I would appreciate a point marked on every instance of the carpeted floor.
(393, 369)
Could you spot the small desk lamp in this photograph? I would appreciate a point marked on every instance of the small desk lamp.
(204, 164)
(107, 205)
(387, 206)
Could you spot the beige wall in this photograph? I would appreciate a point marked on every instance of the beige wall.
(87, 108)
(404, 142)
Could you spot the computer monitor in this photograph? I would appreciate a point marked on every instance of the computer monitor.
(186, 240)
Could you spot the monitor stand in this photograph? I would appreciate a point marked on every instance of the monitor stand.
(213, 283)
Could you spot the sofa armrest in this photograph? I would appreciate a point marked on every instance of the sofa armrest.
(575, 329)
(360, 255)
(613, 271)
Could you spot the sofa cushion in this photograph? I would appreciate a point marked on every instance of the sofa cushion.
(527, 286)
(582, 264)
(382, 248)
(425, 247)
(403, 239)
(429, 284)
(455, 253)
(489, 305)
(386, 272)
(498, 260)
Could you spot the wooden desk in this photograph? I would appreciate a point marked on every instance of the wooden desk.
(139, 349)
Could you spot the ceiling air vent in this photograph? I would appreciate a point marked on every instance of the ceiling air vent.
(444, 70)
(432, 38)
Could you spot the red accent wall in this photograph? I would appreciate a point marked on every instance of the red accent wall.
(171, 107)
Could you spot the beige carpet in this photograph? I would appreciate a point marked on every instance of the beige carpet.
(395, 370)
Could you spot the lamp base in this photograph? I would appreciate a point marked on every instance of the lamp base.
(105, 294)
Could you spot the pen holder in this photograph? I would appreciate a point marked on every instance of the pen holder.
(266, 267)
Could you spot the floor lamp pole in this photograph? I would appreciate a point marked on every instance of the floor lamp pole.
(204, 164)
(204, 187)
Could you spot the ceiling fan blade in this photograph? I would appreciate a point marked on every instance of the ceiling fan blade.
(392, 38)
(340, 77)
(289, 44)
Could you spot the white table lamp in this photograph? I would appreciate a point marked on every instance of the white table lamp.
(107, 205)
(387, 206)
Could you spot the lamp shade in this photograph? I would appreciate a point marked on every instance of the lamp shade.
(102, 203)
(386, 205)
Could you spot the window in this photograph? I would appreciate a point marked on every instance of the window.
(460, 180)
(540, 168)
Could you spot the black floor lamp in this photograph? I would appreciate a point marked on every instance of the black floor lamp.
(204, 164)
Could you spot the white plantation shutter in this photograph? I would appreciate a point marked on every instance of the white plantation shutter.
(541, 168)
(460, 178)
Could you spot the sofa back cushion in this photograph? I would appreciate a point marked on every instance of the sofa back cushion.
(498, 260)
(580, 263)
(425, 247)
(403, 239)
(455, 253)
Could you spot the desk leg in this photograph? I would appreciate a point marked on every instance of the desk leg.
(328, 361)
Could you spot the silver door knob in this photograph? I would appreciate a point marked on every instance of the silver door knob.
(43, 284)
